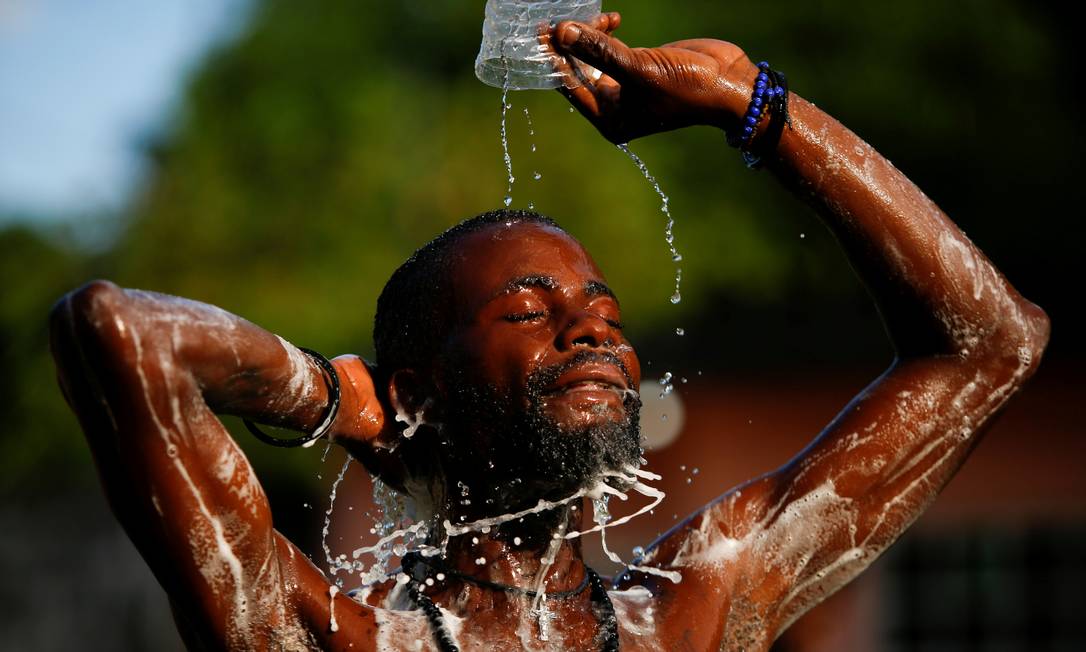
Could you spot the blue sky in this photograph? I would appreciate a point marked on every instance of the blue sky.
(81, 81)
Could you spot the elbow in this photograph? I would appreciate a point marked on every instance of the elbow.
(1019, 344)
(1033, 340)
(90, 314)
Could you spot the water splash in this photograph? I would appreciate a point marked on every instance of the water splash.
(334, 565)
(504, 136)
(669, 228)
(645, 490)
(398, 535)
(540, 609)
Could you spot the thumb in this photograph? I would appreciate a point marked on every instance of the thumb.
(596, 48)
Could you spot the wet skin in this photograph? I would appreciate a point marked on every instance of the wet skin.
(532, 298)
(146, 374)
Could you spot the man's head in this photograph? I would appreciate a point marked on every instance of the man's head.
(503, 331)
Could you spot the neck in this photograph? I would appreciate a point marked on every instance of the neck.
(524, 554)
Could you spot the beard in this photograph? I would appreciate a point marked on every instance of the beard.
(511, 458)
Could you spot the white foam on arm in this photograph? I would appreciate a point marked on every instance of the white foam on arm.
(178, 482)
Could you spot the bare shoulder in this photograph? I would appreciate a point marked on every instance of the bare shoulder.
(376, 617)
(726, 554)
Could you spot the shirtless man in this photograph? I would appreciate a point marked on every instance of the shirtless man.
(504, 332)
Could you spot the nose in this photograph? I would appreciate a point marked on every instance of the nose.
(585, 329)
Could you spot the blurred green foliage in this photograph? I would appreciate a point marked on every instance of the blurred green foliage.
(314, 152)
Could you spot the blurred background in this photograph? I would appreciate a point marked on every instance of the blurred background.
(280, 159)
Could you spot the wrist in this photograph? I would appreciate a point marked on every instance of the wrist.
(736, 82)
(754, 135)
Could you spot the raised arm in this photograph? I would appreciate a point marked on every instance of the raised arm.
(965, 339)
(145, 374)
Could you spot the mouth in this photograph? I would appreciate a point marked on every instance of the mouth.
(590, 378)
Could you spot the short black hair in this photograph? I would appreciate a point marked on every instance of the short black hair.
(413, 310)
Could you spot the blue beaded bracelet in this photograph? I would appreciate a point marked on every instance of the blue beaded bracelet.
(770, 95)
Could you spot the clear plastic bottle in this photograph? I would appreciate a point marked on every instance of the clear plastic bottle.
(511, 55)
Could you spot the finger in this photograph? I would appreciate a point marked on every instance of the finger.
(606, 22)
(579, 80)
(595, 48)
(583, 99)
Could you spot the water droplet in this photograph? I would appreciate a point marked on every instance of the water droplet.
(682, 467)
(480, 561)
(638, 551)
(695, 470)
(680, 332)
(676, 298)
(802, 235)
(531, 206)
(533, 147)
(508, 200)
(571, 109)
(537, 176)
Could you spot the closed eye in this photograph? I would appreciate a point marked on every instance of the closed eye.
(615, 324)
(525, 316)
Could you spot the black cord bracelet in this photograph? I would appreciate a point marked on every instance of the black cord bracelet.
(332, 380)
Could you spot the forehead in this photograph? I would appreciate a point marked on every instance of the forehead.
(486, 260)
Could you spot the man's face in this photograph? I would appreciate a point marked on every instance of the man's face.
(538, 369)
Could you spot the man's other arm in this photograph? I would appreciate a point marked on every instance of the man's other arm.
(145, 374)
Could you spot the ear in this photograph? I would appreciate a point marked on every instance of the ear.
(408, 399)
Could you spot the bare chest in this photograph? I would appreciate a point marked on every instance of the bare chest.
(574, 628)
